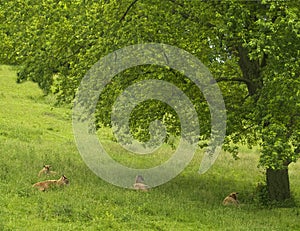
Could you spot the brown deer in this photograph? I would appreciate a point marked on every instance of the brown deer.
(46, 170)
(44, 185)
(139, 184)
(231, 199)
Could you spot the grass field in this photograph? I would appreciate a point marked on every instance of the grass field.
(34, 132)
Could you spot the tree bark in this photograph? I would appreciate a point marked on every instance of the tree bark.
(251, 70)
(278, 184)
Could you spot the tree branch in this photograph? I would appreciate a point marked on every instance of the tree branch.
(246, 81)
(127, 10)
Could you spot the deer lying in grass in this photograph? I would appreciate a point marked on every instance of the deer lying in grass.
(231, 199)
(46, 170)
(139, 184)
(44, 185)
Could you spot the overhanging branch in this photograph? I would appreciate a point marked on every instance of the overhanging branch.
(246, 81)
(127, 10)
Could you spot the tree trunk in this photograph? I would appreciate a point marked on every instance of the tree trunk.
(251, 70)
(278, 184)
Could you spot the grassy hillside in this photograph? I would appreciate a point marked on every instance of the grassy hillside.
(34, 132)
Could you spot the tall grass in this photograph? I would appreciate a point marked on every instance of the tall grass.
(34, 132)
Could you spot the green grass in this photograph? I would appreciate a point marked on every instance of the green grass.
(34, 132)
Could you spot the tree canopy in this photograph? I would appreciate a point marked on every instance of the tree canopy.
(250, 47)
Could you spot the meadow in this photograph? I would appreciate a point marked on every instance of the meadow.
(34, 132)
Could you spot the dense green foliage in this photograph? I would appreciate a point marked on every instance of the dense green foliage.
(34, 132)
(251, 48)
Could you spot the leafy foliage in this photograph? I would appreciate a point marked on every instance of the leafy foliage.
(251, 48)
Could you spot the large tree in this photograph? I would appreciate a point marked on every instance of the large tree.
(251, 48)
(263, 39)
